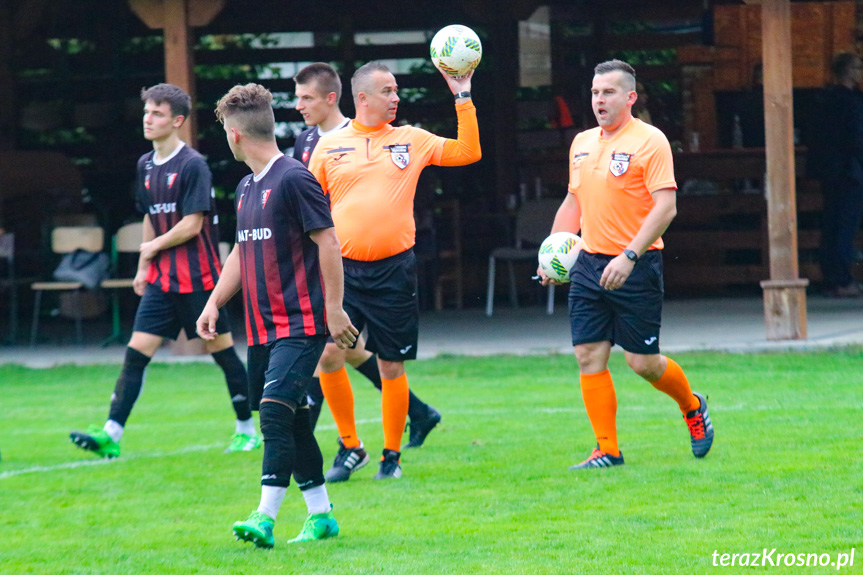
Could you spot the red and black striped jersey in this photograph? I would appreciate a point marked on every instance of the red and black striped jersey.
(283, 292)
(166, 192)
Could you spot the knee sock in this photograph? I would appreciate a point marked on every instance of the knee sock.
(597, 389)
(277, 426)
(128, 386)
(340, 397)
(416, 408)
(394, 408)
(309, 463)
(238, 382)
(317, 500)
(271, 500)
(674, 383)
(316, 401)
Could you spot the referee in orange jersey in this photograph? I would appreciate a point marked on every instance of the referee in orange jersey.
(622, 197)
(370, 171)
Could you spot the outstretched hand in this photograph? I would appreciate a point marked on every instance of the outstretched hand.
(456, 85)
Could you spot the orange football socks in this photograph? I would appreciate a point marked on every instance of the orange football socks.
(394, 408)
(674, 383)
(340, 397)
(597, 389)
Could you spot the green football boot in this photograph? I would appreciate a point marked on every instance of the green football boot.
(243, 442)
(318, 526)
(258, 529)
(96, 440)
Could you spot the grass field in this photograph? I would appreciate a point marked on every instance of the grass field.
(489, 493)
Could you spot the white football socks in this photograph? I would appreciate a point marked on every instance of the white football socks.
(271, 500)
(317, 500)
(114, 430)
(246, 427)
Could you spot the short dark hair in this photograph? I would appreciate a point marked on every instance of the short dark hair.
(252, 106)
(324, 76)
(842, 63)
(359, 81)
(617, 66)
(176, 97)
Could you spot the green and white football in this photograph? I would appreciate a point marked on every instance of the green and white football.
(456, 50)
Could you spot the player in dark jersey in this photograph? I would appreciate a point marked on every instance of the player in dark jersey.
(287, 261)
(318, 91)
(177, 269)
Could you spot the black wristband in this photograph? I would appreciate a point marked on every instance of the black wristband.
(464, 94)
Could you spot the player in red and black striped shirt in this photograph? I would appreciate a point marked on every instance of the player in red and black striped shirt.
(287, 261)
(177, 269)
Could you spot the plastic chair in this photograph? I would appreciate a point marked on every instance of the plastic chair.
(126, 240)
(66, 240)
(532, 224)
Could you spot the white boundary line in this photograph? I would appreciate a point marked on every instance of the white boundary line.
(150, 455)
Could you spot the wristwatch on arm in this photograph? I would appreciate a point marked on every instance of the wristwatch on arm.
(631, 255)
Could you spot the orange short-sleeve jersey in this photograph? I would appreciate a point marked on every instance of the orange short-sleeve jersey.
(371, 176)
(613, 179)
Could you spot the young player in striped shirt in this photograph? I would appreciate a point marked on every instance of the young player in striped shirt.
(177, 269)
(286, 260)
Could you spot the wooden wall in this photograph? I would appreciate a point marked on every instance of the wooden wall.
(819, 30)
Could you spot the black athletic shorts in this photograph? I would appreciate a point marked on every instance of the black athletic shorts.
(629, 316)
(166, 313)
(381, 297)
(283, 369)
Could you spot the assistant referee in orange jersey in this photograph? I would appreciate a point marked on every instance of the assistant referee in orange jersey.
(370, 171)
(622, 197)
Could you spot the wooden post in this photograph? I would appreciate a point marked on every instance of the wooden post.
(179, 61)
(177, 17)
(784, 292)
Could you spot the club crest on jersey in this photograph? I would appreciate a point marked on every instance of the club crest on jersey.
(240, 201)
(265, 195)
(147, 181)
(400, 156)
(306, 154)
(619, 163)
(171, 179)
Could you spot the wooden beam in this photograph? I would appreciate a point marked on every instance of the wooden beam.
(785, 292)
(179, 60)
(152, 12)
(176, 18)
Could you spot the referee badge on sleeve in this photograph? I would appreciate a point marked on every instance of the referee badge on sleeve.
(619, 163)
(400, 156)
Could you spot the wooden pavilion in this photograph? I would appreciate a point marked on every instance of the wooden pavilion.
(70, 74)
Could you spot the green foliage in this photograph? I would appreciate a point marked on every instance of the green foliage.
(72, 46)
(489, 492)
(635, 58)
(143, 44)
